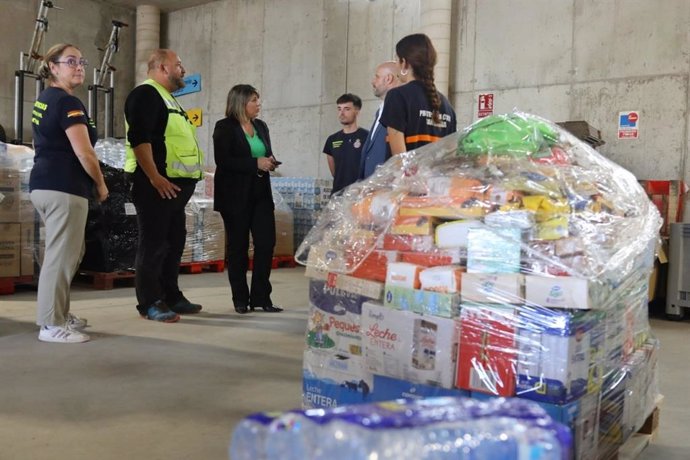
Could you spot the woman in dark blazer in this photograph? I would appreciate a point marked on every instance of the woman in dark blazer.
(242, 195)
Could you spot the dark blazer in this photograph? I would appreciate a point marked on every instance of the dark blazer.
(236, 176)
(375, 152)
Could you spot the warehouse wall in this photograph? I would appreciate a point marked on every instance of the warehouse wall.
(85, 23)
(584, 60)
(300, 58)
(562, 59)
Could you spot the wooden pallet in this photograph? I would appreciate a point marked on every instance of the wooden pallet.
(278, 262)
(198, 267)
(638, 442)
(8, 284)
(105, 281)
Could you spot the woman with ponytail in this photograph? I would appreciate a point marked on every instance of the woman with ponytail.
(415, 113)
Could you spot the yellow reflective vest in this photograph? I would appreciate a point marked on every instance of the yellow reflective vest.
(184, 157)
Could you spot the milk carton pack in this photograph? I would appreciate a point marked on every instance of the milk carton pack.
(334, 322)
(332, 380)
(554, 354)
(582, 417)
(409, 346)
(388, 389)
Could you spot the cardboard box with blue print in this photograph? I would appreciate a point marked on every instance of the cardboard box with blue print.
(10, 242)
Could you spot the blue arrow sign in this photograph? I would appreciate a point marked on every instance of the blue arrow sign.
(192, 85)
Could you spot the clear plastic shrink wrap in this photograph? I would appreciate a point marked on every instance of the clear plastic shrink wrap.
(509, 259)
(20, 236)
(436, 428)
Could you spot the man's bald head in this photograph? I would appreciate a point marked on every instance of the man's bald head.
(385, 78)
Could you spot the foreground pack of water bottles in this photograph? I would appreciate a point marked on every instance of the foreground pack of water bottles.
(434, 428)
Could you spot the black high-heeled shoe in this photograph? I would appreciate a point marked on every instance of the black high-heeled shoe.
(242, 309)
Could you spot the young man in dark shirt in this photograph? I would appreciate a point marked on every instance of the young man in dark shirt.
(344, 148)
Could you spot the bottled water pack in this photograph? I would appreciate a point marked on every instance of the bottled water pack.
(430, 429)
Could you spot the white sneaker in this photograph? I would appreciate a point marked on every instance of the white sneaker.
(61, 334)
(75, 322)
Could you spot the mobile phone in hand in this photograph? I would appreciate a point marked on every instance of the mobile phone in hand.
(277, 163)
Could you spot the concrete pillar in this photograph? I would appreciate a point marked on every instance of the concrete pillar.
(148, 38)
(435, 22)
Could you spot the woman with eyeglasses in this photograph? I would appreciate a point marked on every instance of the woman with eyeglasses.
(242, 195)
(65, 175)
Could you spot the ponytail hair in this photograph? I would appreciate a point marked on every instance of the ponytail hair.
(418, 51)
(53, 55)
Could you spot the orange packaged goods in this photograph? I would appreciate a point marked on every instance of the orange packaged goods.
(413, 225)
(442, 206)
(444, 279)
(373, 267)
(408, 242)
(375, 208)
(403, 275)
(433, 258)
(461, 189)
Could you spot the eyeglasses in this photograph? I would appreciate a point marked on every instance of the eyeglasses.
(73, 63)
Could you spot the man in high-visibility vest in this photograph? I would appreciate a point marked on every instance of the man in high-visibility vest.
(165, 162)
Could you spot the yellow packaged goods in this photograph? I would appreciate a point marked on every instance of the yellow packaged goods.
(413, 225)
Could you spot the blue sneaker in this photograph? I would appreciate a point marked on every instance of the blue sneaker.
(159, 311)
(185, 307)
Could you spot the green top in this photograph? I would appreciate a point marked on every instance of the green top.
(256, 145)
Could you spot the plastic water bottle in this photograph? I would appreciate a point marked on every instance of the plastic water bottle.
(249, 438)
(430, 429)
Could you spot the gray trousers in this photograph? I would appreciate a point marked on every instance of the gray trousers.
(64, 216)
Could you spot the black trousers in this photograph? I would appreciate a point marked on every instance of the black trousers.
(260, 221)
(162, 234)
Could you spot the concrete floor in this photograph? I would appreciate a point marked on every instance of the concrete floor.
(145, 390)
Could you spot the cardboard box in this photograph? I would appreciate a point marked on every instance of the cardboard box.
(367, 288)
(495, 288)
(285, 229)
(423, 302)
(583, 131)
(403, 274)
(10, 196)
(446, 279)
(435, 258)
(554, 354)
(408, 242)
(375, 265)
(334, 322)
(582, 417)
(10, 242)
(332, 380)
(388, 389)
(27, 248)
(454, 234)
(487, 350)
(408, 346)
(559, 292)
